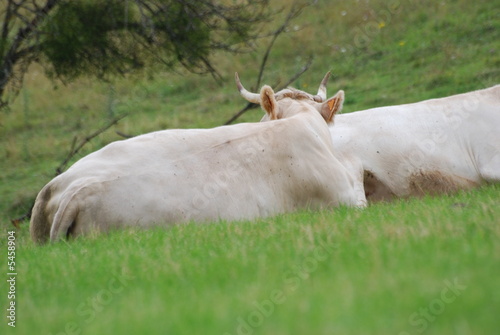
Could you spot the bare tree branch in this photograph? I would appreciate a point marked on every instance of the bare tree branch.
(24, 32)
(7, 18)
(252, 105)
(297, 75)
(241, 112)
(75, 149)
(122, 134)
(295, 11)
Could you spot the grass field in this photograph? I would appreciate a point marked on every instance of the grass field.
(416, 266)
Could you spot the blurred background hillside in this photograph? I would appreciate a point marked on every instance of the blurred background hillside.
(379, 52)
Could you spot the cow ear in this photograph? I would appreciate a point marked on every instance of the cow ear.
(332, 106)
(268, 102)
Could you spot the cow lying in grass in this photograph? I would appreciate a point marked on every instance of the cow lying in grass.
(435, 146)
(242, 171)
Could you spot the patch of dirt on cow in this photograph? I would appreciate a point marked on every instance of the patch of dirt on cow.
(435, 182)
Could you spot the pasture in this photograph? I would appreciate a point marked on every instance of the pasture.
(416, 266)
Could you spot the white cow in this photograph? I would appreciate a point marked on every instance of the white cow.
(431, 147)
(242, 171)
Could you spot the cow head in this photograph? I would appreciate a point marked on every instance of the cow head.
(290, 101)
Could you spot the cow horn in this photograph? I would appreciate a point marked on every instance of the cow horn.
(322, 88)
(251, 97)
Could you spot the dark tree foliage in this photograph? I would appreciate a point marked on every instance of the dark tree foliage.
(70, 38)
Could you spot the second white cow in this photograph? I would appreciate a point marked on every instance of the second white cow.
(430, 147)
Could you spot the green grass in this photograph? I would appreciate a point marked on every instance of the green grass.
(385, 268)
(342, 272)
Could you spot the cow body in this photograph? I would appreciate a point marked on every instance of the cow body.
(233, 172)
(430, 147)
